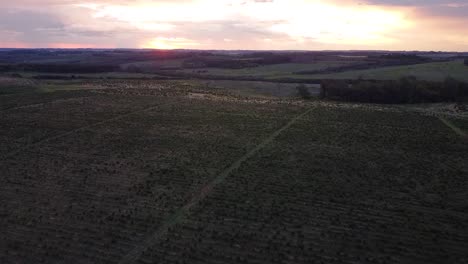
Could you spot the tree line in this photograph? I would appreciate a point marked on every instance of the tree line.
(60, 68)
(404, 90)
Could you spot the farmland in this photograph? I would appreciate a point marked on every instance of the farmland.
(435, 71)
(186, 171)
(240, 65)
(268, 71)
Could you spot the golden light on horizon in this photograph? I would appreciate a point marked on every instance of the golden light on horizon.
(299, 19)
(329, 23)
(257, 24)
(168, 43)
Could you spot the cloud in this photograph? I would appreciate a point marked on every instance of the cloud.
(28, 20)
(418, 3)
(29, 26)
(237, 24)
(438, 8)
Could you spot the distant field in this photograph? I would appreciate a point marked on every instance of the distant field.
(102, 75)
(436, 71)
(154, 65)
(262, 72)
(252, 88)
(283, 66)
(141, 171)
(268, 71)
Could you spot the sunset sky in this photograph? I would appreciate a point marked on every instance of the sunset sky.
(236, 24)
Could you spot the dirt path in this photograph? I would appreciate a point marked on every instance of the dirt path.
(119, 117)
(453, 127)
(180, 214)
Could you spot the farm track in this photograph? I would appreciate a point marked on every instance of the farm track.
(179, 215)
(455, 129)
(119, 117)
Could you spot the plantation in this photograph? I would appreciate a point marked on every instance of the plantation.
(148, 171)
(330, 191)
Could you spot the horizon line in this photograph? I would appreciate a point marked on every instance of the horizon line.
(272, 50)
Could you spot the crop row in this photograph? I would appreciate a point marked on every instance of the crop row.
(95, 193)
(329, 191)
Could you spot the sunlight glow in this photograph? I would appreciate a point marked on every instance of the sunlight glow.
(169, 43)
(301, 20)
(329, 23)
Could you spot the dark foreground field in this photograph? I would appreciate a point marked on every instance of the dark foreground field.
(167, 172)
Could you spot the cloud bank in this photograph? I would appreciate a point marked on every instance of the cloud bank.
(237, 24)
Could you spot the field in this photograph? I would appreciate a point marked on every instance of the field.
(435, 71)
(148, 171)
(284, 66)
(268, 71)
(260, 88)
(148, 66)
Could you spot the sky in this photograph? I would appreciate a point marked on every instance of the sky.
(439, 25)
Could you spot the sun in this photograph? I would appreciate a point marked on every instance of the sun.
(169, 43)
(159, 44)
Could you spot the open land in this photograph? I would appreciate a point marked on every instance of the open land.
(183, 170)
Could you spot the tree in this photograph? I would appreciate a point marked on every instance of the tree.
(333, 88)
(450, 89)
(134, 69)
(303, 91)
(408, 87)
